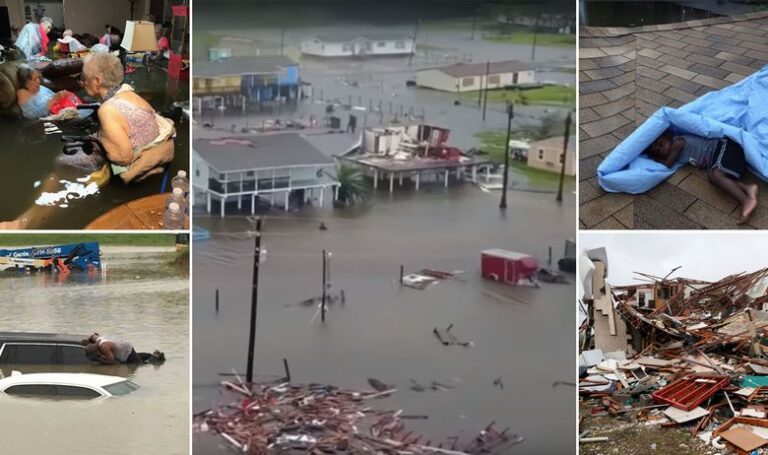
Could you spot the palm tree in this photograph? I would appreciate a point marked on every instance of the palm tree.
(352, 187)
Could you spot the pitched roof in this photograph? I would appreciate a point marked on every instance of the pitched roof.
(479, 69)
(246, 153)
(347, 37)
(242, 65)
(555, 142)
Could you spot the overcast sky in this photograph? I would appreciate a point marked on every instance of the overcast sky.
(702, 255)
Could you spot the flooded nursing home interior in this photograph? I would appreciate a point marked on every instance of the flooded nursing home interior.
(93, 112)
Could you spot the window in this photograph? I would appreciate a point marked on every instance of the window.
(28, 354)
(222, 177)
(73, 391)
(197, 172)
(73, 355)
(381, 44)
(121, 388)
(514, 78)
(467, 81)
(31, 389)
(494, 79)
(561, 158)
(249, 174)
(400, 45)
(541, 154)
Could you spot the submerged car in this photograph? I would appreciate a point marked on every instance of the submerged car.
(66, 385)
(42, 349)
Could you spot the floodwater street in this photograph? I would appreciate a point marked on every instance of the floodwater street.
(143, 298)
(463, 352)
(384, 331)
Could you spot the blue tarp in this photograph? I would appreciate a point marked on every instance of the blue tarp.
(738, 112)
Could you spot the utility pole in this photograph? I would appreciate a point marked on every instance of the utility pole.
(413, 44)
(254, 301)
(325, 286)
(485, 101)
(474, 21)
(510, 116)
(565, 156)
(535, 26)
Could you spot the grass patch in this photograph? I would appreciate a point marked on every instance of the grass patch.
(494, 143)
(457, 24)
(550, 95)
(542, 39)
(7, 240)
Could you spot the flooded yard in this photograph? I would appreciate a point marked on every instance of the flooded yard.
(384, 331)
(143, 298)
(30, 155)
(376, 87)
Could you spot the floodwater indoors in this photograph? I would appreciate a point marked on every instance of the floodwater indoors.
(384, 331)
(29, 157)
(617, 13)
(143, 298)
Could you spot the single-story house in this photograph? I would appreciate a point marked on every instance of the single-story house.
(563, 24)
(249, 167)
(548, 155)
(346, 45)
(246, 79)
(466, 77)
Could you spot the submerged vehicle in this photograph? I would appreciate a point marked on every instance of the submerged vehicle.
(42, 349)
(83, 256)
(66, 385)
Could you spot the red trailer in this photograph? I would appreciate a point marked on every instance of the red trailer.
(508, 266)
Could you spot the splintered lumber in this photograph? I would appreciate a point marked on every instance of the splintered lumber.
(269, 418)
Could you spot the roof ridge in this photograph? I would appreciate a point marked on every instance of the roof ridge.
(608, 32)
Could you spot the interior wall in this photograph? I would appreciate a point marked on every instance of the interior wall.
(83, 17)
(15, 12)
(52, 9)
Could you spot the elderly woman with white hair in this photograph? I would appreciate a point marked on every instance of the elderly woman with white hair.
(137, 140)
(33, 38)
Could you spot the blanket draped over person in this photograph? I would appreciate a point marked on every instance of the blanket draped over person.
(738, 112)
(32, 40)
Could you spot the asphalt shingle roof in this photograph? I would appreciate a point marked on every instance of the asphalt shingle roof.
(625, 76)
(231, 66)
(479, 69)
(258, 152)
(348, 37)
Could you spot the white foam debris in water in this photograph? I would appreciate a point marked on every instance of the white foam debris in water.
(84, 179)
(63, 205)
(72, 190)
(37, 183)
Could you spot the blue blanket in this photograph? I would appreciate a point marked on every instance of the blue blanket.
(739, 112)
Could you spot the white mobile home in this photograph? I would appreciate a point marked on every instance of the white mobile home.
(357, 45)
(467, 77)
(548, 155)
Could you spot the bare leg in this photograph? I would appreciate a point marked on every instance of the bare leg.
(746, 196)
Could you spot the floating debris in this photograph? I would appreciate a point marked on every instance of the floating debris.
(289, 418)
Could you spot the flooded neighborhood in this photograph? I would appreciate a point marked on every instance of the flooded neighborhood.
(398, 265)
